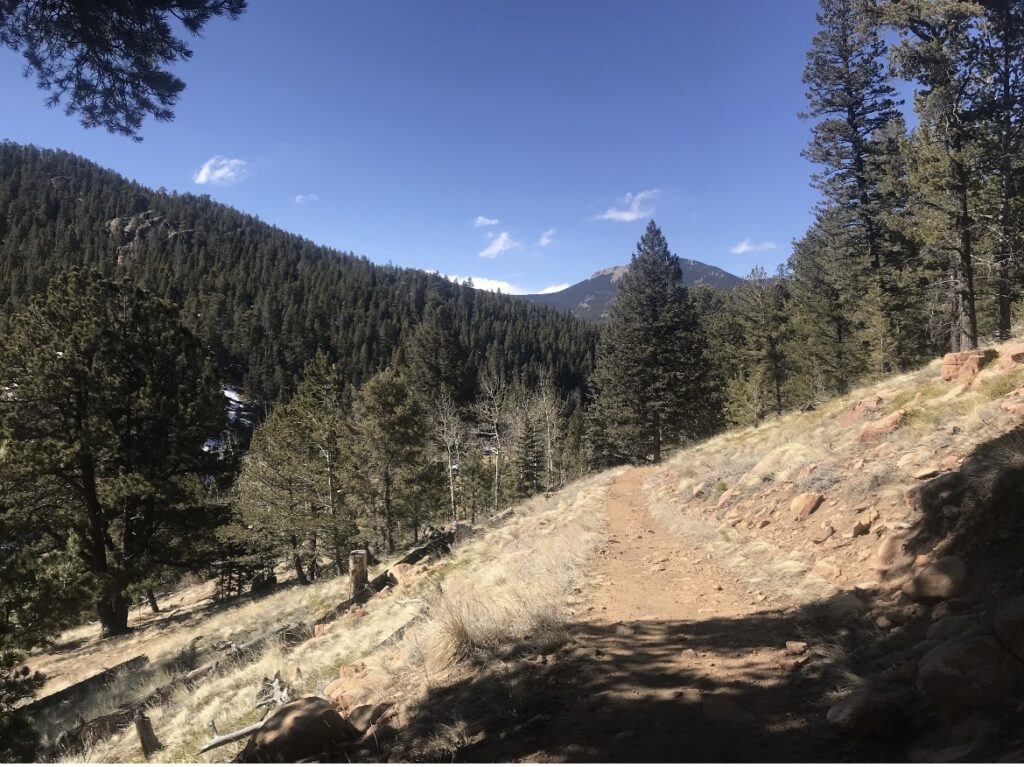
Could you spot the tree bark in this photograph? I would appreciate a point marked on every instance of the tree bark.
(152, 601)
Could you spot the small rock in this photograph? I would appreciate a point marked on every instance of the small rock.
(876, 430)
(795, 647)
(322, 629)
(824, 535)
(688, 654)
(805, 504)
(700, 490)
(940, 580)
(865, 712)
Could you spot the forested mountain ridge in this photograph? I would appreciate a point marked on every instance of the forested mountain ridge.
(263, 299)
(590, 299)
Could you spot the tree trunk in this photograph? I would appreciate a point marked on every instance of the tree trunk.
(657, 437)
(152, 601)
(112, 607)
(297, 561)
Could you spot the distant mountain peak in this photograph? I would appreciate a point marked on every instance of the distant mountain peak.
(616, 272)
(591, 298)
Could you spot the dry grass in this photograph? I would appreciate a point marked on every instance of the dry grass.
(508, 586)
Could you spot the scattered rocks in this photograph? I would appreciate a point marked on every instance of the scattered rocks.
(963, 366)
(940, 580)
(966, 672)
(805, 504)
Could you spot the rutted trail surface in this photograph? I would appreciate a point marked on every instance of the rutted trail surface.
(671, 660)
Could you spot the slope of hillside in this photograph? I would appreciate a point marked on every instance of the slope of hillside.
(591, 298)
(841, 584)
(263, 299)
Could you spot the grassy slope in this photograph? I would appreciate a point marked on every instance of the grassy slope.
(503, 586)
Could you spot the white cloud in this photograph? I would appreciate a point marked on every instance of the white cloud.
(486, 283)
(751, 247)
(484, 221)
(500, 244)
(546, 238)
(555, 288)
(634, 207)
(221, 171)
(302, 199)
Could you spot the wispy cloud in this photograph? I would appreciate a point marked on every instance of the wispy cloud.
(500, 244)
(747, 246)
(221, 171)
(555, 288)
(303, 199)
(632, 207)
(484, 221)
(546, 238)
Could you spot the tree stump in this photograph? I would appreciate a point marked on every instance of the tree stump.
(357, 571)
(147, 738)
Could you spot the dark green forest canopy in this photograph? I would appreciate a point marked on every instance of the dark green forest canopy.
(263, 299)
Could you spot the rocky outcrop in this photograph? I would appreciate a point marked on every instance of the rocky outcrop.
(963, 366)
(1009, 627)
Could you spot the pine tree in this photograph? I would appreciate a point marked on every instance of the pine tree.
(652, 381)
(762, 310)
(527, 456)
(110, 403)
(389, 451)
(849, 92)
(944, 157)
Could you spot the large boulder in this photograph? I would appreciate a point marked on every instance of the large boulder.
(1008, 624)
(303, 729)
(966, 672)
(939, 580)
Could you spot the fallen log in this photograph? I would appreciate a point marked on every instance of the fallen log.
(80, 689)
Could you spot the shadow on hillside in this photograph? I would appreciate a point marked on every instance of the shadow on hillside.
(979, 509)
(628, 692)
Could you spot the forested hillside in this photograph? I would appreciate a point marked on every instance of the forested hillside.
(263, 299)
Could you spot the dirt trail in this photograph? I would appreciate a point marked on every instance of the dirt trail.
(672, 660)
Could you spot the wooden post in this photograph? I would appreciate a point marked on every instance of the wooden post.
(357, 575)
(147, 738)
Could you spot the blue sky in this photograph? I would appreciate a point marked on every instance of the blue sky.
(524, 142)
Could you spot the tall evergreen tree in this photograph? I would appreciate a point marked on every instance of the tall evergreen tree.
(652, 381)
(851, 96)
(109, 403)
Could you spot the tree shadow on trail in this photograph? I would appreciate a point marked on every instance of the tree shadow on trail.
(647, 691)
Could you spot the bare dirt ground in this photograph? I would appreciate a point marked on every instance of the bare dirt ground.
(673, 659)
